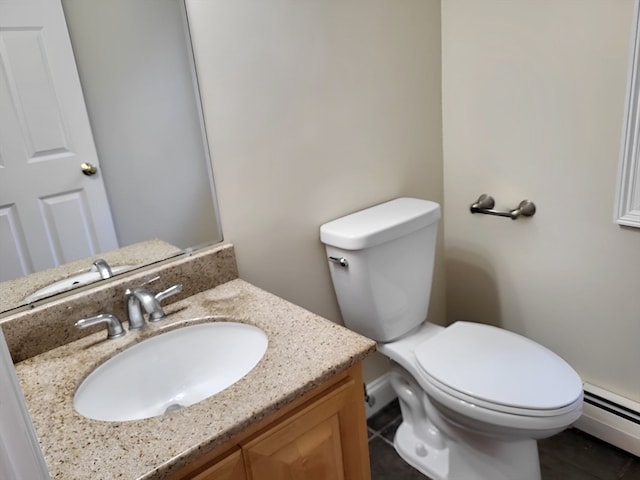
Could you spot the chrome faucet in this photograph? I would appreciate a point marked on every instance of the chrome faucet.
(139, 299)
(103, 268)
(114, 327)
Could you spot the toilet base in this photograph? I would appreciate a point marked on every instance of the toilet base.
(431, 461)
(443, 449)
(500, 461)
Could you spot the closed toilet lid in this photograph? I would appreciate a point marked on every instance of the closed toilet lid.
(498, 366)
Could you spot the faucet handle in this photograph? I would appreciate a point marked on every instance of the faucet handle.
(159, 314)
(151, 280)
(114, 327)
(168, 292)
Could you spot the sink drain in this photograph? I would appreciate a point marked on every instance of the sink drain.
(173, 407)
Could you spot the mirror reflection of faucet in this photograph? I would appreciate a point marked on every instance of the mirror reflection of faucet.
(102, 267)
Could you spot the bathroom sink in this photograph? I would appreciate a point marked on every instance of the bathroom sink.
(77, 280)
(170, 371)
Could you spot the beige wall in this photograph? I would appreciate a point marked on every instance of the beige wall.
(533, 97)
(314, 110)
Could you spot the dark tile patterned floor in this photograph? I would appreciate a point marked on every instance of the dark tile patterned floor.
(570, 455)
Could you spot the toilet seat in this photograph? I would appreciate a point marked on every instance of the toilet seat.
(498, 370)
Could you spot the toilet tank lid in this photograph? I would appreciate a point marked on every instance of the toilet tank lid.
(380, 224)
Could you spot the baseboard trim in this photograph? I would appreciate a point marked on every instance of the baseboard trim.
(623, 431)
(380, 393)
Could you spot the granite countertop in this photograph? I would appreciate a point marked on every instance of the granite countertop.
(304, 351)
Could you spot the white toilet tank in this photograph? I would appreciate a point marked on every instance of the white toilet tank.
(384, 288)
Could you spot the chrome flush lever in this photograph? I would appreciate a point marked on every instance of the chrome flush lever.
(340, 261)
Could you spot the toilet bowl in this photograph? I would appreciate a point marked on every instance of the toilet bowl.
(450, 429)
(474, 398)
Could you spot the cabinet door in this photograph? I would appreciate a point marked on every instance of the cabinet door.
(320, 442)
(230, 468)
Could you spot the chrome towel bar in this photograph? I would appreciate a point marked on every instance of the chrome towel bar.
(485, 205)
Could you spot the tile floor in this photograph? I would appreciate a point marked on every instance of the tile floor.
(570, 455)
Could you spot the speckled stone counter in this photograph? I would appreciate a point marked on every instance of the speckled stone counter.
(50, 325)
(304, 351)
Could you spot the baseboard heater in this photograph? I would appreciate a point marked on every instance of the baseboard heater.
(612, 418)
(612, 407)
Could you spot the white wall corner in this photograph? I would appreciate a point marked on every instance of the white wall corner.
(380, 393)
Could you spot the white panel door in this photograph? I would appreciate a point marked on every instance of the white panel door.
(50, 212)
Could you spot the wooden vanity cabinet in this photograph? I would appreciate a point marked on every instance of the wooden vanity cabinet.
(321, 436)
(230, 467)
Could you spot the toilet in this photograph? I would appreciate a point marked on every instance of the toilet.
(474, 398)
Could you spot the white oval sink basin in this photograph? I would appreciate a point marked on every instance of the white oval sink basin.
(170, 371)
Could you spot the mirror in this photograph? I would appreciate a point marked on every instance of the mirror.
(627, 206)
(138, 78)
